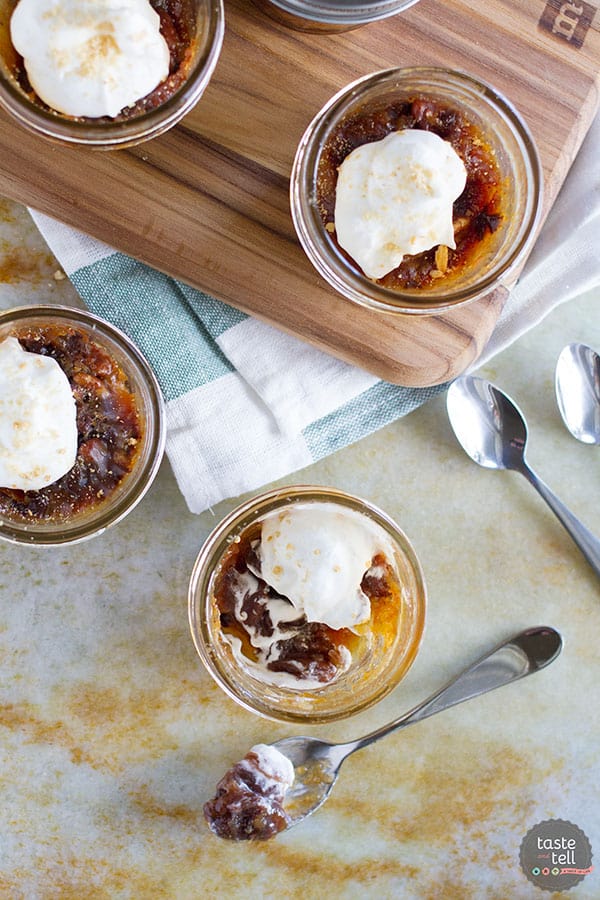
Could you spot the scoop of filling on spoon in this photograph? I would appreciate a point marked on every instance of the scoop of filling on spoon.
(394, 198)
(248, 804)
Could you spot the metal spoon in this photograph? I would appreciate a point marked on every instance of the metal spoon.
(493, 432)
(317, 763)
(577, 383)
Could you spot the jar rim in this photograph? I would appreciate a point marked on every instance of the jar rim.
(343, 12)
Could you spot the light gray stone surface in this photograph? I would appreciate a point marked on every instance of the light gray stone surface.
(112, 735)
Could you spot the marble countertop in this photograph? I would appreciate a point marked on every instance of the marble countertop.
(112, 735)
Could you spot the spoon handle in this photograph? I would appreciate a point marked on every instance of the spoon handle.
(522, 655)
(587, 542)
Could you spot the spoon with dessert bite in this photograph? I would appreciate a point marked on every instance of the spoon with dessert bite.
(278, 785)
(577, 383)
(317, 763)
(492, 431)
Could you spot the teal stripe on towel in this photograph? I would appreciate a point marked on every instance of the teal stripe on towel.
(176, 327)
(377, 406)
(164, 322)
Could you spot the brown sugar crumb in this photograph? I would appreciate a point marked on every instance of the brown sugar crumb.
(441, 258)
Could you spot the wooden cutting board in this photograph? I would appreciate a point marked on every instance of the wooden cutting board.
(208, 201)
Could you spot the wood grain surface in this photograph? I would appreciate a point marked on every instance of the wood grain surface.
(208, 201)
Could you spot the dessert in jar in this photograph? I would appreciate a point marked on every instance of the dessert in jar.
(307, 604)
(416, 189)
(81, 432)
(106, 73)
(331, 15)
(300, 591)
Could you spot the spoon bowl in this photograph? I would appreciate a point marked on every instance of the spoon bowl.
(577, 385)
(317, 763)
(492, 430)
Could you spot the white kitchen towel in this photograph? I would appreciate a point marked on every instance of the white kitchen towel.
(247, 404)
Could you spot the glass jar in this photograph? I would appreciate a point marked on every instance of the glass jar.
(372, 674)
(90, 522)
(520, 177)
(331, 15)
(106, 133)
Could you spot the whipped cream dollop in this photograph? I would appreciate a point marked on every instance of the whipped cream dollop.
(272, 771)
(38, 424)
(394, 198)
(90, 57)
(316, 555)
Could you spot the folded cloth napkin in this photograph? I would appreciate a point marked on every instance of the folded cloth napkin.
(247, 404)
